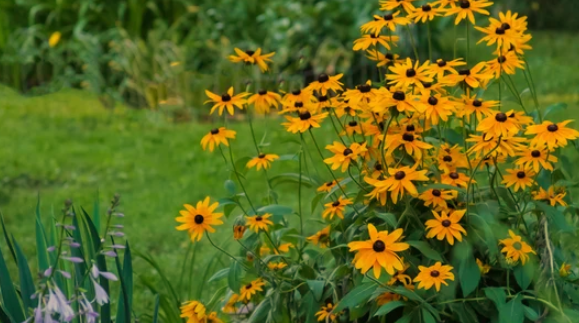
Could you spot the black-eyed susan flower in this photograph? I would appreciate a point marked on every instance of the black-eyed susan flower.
(326, 83)
(380, 190)
(507, 63)
(320, 103)
(262, 160)
(276, 266)
(466, 9)
(520, 178)
(343, 108)
(440, 67)
(425, 13)
(389, 21)
(212, 318)
(193, 311)
(474, 77)
(553, 195)
(482, 267)
(226, 101)
(552, 134)
(400, 181)
(217, 136)
(54, 39)
(535, 158)
(451, 158)
(259, 222)
(469, 105)
(445, 3)
(327, 187)
(247, 291)
(285, 247)
(361, 95)
(436, 197)
(343, 155)
(521, 44)
(510, 20)
(411, 143)
(336, 208)
(352, 127)
(435, 275)
(364, 42)
(387, 297)
(455, 178)
(297, 95)
(238, 231)
(508, 146)
(230, 306)
(325, 313)
(252, 57)
(196, 220)
(321, 238)
(304, 121)
(393, 4)
(564, 270)
(404, 102)
(446, 226)
(401, 276)
(264, 100)
(436, 107)
(498, 125)
(407, 74)
(380, 251)
(515, 248)
(382, 59)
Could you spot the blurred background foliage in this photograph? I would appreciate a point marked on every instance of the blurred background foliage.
(151, 52)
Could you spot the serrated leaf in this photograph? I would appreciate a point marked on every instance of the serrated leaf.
(317, 288)
(389, 307)
(425, 249)
(512, 312)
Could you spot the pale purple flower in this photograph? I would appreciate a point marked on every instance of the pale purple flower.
(95, 272)
(116, 234)
(110, 253)
(118, 246)
(87, 309)
(76, 260)
(120, 215)
(74, 244)
(101, 296)
(57, 303)
(65, 274)
(70, 227)
(118, 226)
(51, 248)
(48, 272)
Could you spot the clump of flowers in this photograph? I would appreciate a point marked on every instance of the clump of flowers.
(420, 196)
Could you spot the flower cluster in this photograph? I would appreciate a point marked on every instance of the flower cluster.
(430, 179)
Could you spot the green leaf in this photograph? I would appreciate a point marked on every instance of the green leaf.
(512, 312)
(531, 314)
(468, 271)
(77, 252)
(41, 247)
(524, 274)
(389, 307)
(219, 275)
(156, 309)
(490, 240)
(260, 312)
(316, 202)
(6, 237)
(276, 209)
(556, 218)
(292, 178)
(26, 283)
(230, 186)
(425, 249)
(13, 308)
(497, 295)
(408, 318)
(360, 294)
(507, 198)
(554, 108)
(233, 277)
(317, 288)
(427, 317)
(126, 296)
(389, 218)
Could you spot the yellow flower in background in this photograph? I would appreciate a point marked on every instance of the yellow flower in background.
(466, 9)
(217, 136)
(238, 231)
(226, 101)
(304, 122)
(565, 270)
(434, 276)
(436, 108)
(298, 95)
(196, 220)
(380, 251)
(515, 248)
(54, 39)
(325, 313)
(387, 297)
(484, 268)
(475, 77)
(499, 125)
(285, 247)
(262, 161)
(469, 105)
(212, 318)
(343, 155)
(276, 265)
(259, 222)
(321, 238)
(252, 57)
(508, 62)
(521, 178)
(230, 305)
(436, 197)
(361, 95)
(368, 40)
(512, 21)
(407, 74)
(552, 134)
(388, 5)
(455, 178)
(553, 195)
(264, 100)
(247, 291)
(326, 83)
(446, 226)
(336, 208)
(536, 158)
(440, 67)
(327, 187)
(194, 312)
(382, 59)
(400, 181)
(412, 144)
(390, 21)
(498, 33)
(425, 13)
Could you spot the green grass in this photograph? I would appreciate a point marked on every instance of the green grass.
(65, 145)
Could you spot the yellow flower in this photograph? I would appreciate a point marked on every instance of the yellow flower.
(499, 125)
(484, 268)
(434, 276)
(217, 136)
(264, 100)
(54, 39)
(440, 67)
(327, 187)
(467, 8)
(455, 178)
(446, 226)
(552, 134)
(468, 106)
(226, 101)
(259, 222)
(361, 95)
(496, 32)
(196, 220)
(513, 22)
(436, 107)
(194, 312)
(326, 83)
(380, 251)
(515, 248)
(374, 39)
(508, 62)
(285, 247)
(304, 122)
(212, 318)
(382, 59)
(474, 77)
(404, 102)
(553, 195)
(343, 155)
(536, 158)
(425, 13)
(564, 271)
(238, 231)
(519, 177)
(399, 181)
(252, 57)
(436, 197)
(390, 21)
(388, 5)
(451, 158)
(276, 265)
(386, 298)
(407, 74)
(321, 238)
(410, 142)
(262, 160)
(336, 208)
(230, 305)
(251, 289)
(299, 95)
(325, 313)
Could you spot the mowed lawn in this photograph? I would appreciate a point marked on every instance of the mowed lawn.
(66, 145)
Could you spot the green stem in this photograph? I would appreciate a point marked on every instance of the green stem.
(412, 43)
(225, 252)
(239, 180)
(467, 39)
(429, 41)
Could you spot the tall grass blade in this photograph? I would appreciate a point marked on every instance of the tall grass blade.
(8, 242)
(9, 296)
(41, 253)
(26, 283)
(156, 309)
(126, 295)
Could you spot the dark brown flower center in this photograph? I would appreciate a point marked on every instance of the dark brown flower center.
(297, 92)
(249, 52)
(262, 92)
(378, 167)
(248, 286)
(374, 36)
(552, 127)
(436, 193)
(434, 273)
(323, 98)
(214, 131)
(477, 103)
(298, 104)
(501, 117)
(432, 100)
(410, 128)
(399, 175)
(388, 17)
(408, 137)
(505, 26)
(379, 246)
(258, 218)
(352, 123)
(364, 88)
(441, 63)
(347, 151)
(330, 183)
(427, 85)
(323, 78)
(536, 153)
(501, 59)
(389, 56)
(410, 72)
(262, 155)
(399, 96)
(465, 4)
(499, 31)
(426, 8)
(446, 223)
(447, 158)
(336, 203)
(225, 97)
(305, 115)
(521, 174)
(464, 72)
(199, 219)
(454, 175)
